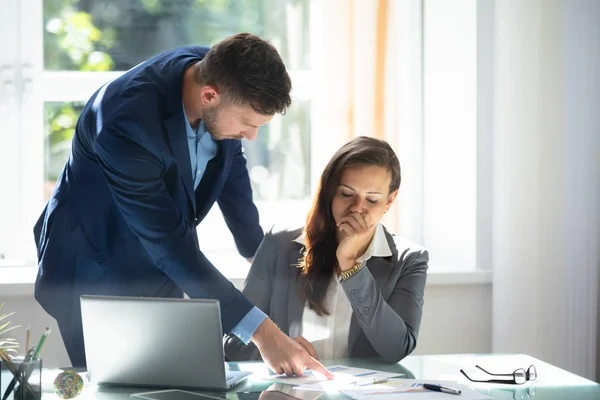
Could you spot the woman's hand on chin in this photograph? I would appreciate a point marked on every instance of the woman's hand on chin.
(356, 231)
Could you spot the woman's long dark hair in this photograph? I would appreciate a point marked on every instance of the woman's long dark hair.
(319, 260)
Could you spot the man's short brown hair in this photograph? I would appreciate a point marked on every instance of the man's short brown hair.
(247, 70)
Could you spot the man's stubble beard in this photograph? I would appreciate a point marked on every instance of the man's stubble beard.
(210, 122)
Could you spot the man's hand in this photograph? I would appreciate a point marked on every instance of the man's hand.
(306, 344)
(358, 231)
(282, 354)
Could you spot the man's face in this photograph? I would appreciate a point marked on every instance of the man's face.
(229, 121)
(222, 118)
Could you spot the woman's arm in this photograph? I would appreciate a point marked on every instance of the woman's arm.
(391, 327)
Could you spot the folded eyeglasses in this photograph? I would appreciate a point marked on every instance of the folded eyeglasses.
(518, 377)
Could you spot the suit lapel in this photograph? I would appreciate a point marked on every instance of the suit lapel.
(179, 146)
(176, 129)
(295, 304)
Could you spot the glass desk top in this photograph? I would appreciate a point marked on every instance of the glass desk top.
(552, 382)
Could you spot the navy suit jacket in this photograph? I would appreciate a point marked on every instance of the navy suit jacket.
(121, 220)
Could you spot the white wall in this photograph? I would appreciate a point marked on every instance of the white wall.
(28, 311)
(546, 202)
(457, 319)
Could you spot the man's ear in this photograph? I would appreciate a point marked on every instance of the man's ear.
(209, 96)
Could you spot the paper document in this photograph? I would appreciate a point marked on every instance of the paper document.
(343, 376)
(408, 389)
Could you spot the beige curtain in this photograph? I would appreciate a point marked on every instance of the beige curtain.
(354, 56)
(368, 64)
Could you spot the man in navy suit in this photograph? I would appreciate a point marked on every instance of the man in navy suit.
(152, 151)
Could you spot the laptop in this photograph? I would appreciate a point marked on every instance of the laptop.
(155, 342)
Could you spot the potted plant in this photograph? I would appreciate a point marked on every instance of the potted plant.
(9, 345)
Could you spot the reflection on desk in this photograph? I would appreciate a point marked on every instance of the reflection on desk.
(553, 383)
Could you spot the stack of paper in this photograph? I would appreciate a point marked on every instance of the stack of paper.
(407, 389)
(344, 377)
(347, 381)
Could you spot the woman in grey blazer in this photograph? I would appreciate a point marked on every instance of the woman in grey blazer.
(343, 286)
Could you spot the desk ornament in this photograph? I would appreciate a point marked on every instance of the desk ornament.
(68, 384)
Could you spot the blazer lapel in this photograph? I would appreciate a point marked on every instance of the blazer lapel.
(176, 129)
(178, 141)
(295, 304)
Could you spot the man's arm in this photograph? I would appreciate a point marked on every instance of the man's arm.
(258, 289)
(238, 208)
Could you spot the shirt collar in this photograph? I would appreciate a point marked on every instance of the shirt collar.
(188, 128)
(379, 246)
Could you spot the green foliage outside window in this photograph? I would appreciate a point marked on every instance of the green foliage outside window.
(115, 35)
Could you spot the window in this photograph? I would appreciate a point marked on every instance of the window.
(450, 132)
(80, 44)
(65, 49)
(102, 36)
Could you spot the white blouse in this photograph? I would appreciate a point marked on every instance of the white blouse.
(329, 333)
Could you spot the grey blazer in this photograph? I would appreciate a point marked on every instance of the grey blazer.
(386, 297)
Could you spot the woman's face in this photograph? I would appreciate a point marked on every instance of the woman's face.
(363, 189)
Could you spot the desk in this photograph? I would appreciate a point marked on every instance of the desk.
(553, 383)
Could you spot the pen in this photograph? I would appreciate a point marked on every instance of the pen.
(36, 354)
(440, 388)
(27, 335)
(370, 381)
(41, 343)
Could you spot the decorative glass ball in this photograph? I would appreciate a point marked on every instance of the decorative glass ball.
(68, 384)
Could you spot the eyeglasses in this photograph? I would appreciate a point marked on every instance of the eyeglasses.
(519, 376)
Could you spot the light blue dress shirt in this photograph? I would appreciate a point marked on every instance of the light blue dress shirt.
(203, 148)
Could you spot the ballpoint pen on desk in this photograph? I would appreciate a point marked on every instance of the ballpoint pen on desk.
(370, 381)
(20, 371)
(440, 388)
